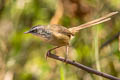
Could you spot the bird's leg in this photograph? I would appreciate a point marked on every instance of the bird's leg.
(67, 50)
(49, 51)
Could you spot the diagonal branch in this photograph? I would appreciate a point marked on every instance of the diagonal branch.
(110, 40)
(88, 69)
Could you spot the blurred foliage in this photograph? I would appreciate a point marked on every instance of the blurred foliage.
(22, 56)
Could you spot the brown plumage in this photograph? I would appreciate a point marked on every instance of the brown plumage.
(59, 35)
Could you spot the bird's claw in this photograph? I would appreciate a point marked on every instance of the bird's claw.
(47, 54)
(65, 60)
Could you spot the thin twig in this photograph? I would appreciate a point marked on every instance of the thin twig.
(88, 69)
(96, 39)
(110, 40)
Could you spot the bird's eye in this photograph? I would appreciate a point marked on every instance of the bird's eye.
(34, 31)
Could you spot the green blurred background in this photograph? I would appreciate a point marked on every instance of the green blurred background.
(22, 56)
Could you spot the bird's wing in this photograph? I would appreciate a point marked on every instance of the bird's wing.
(60, 29)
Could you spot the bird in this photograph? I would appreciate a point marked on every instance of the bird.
(59, 35)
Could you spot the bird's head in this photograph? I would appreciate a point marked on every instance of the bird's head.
(40, 30)
(35, 29)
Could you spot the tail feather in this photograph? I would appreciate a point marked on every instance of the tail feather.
(91, 23)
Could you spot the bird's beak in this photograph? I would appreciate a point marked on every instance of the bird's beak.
(26, 32)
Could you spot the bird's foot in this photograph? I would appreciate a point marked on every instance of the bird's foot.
(65, 60)
(47, 54)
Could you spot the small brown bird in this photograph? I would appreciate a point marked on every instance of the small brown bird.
(59, 35)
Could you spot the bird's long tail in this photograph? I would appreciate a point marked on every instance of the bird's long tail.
(91, 23)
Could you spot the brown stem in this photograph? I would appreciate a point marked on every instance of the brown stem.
(110, 40)
(76, 64)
